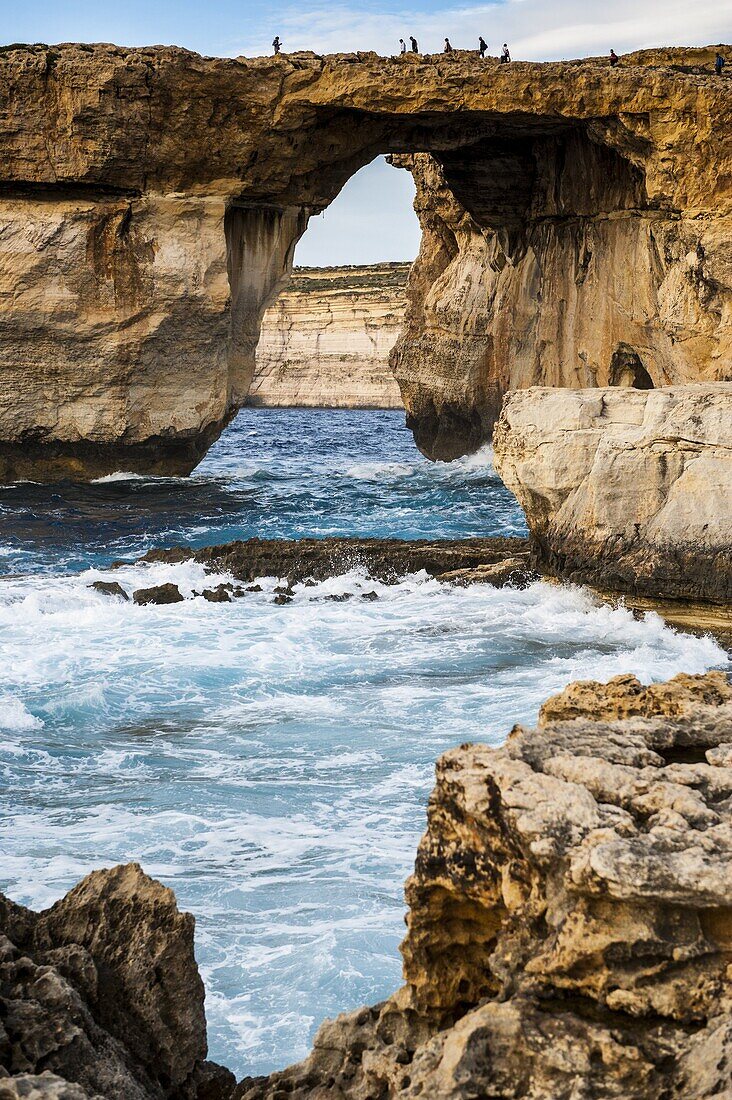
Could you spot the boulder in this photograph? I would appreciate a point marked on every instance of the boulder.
(102, 990)
(109, 588)
(158, 594)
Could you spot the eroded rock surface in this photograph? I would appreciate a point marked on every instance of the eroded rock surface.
(628, 490)
(100, 996)
(569, 928)
(326, 340)
(577, 227)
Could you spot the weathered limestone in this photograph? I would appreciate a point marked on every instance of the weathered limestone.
(569, 925)
(577, 231)
(103, 990)
(628, 490)
(326, 340)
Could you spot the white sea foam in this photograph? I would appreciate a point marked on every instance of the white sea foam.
(120, 475)
(272, 762)
(380, 471)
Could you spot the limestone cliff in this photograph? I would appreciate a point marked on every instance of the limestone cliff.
(568, 935)
(577, 231)
(326, 340)
(628, 490)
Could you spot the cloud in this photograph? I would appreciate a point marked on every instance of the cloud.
(535, 29)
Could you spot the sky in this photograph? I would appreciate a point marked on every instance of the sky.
(372, 219)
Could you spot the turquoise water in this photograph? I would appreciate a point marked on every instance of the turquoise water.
(271, 763)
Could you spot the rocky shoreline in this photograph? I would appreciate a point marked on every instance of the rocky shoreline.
(568, 935)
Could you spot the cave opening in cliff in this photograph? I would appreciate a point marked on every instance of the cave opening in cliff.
(326, 339)
(626, 369)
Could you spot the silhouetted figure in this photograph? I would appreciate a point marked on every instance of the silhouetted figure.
(402, 46)
(613, 58)
(482, 45)
(719, 64)
(276, 44)
(448, 47)
(413, 41)
(505, 55)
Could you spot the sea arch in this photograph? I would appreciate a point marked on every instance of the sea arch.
(152, 199)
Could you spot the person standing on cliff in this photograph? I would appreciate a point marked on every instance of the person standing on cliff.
(413, 40)
(719, 64)
(613, 58)
(448, 47)
(276, 44)
(505, 55)
(482, 45)
(402, 47)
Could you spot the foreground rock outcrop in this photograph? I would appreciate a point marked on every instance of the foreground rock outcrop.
(568, 935)
(569, 916)
(629, 491)
(577, 221)
(326, 340)
(103, 990)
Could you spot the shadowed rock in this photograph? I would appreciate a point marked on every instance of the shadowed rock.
(103, 990)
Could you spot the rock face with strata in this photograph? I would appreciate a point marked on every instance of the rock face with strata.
(569, 919)
(577, 222)
(326, 340)
(627, 490)
(100, 996)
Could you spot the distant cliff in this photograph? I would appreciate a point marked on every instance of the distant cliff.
(327, 338)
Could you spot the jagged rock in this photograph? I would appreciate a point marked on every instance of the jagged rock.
(569, 926)
(158, 594)
(326, 340)
(627, 490)
(576, 232)
(103, 990)
(388, 560)
(109, 588)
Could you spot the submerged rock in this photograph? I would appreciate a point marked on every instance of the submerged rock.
(568, 928)
(158, 594)
(629, 490)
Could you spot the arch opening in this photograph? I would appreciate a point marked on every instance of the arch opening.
(327, 333)
(626, 369)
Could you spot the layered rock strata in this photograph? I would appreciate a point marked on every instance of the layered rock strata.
(629, 491)
(102, 990)
(577, 221)
(569, 920)
(326, 340)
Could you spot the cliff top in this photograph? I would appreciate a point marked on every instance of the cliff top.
(290, 130)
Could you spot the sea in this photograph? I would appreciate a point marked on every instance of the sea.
(272, 763)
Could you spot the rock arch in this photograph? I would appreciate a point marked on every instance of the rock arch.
(151, 200)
